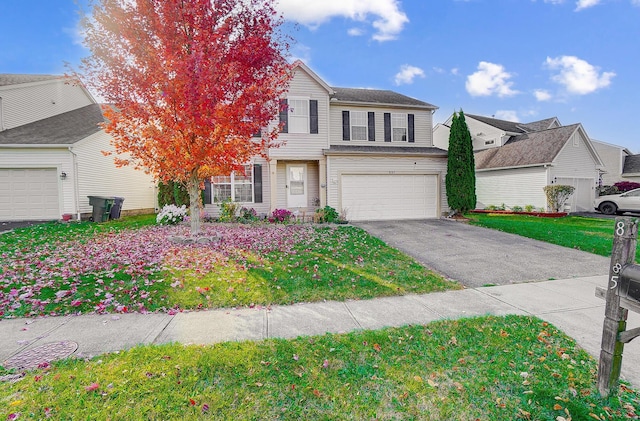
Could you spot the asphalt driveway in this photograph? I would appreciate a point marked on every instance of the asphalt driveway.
(476, 256)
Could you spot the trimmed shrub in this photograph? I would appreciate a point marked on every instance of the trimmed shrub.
(327, 214)
(625, 186)
(557, 195)
(228, 211)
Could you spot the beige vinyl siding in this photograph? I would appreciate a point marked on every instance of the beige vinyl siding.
(25, 103)
(98, 176)
(422, 123)
(58, 159)
(483, 134)
(301, 145)
(339, 165)
(612, 157)
(575, 161)
(513, 187)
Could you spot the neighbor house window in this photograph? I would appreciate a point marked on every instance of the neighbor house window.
(399, 127)
(237, 187)
(359, 125)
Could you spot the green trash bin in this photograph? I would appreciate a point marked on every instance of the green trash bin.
(101, 207)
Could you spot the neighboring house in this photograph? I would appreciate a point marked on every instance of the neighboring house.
(515, 161)
(51, 153)
(613, 157)
(631, 169)
(365, 152)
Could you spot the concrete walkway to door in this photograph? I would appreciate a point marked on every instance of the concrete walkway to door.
(476, 256)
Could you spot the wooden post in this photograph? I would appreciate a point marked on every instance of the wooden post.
(615, 318)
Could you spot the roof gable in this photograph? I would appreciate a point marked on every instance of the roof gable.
(527, 149)
(299, 64)
(515, 127)
(62, 129)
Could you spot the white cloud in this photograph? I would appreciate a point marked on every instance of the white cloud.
(508, 115)
(577, 76)
(389, 20)
(585, 4)
(455, 71)
(490, 79)
(301, 52)
(635, 2)
(407, 74)
(554, 1)
(355, 32)
(542, 95)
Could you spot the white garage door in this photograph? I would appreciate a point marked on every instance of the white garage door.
(584, 194)
(389, 196)
(28, 194)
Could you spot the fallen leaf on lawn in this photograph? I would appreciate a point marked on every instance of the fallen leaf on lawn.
(417, 378)
(377, 347)
(453, 341)
(432, 383)
(557, 407)
(92, 387)
(325, 364)
(15, 403)
(258, 384)
(317, 392)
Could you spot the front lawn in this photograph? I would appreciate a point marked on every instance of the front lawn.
(593, 235)
(489, 368)
(131, 265)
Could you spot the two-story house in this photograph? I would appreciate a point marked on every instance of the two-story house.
(515, 161)
(51, 152)
(368, 153)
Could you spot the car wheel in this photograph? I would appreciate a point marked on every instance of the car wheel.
(608, 208)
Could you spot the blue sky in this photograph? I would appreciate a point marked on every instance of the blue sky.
(520, 60)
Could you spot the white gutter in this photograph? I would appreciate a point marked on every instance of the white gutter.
(544, 165)
(76, 187)
(34, 146)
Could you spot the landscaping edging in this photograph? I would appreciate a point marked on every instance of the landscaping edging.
(539, 214)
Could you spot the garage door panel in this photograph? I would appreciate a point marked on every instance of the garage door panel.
(389, 196)
(29, 194)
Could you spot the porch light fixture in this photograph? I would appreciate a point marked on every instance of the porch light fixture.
(63, 175)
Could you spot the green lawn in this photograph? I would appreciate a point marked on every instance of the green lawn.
(131, 265)
(593, 235)
(490, 368)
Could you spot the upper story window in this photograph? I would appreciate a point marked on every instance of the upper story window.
(399, 127)
(358, 125)
(299, 115)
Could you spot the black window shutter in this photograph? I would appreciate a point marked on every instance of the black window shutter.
(207, 191)
(313, 116)
(371, 122)
(412, 131)
(346, 127)
(258, 134)
(257, 183)
(387, 127)
(284, 116)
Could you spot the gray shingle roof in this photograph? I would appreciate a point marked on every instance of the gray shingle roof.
(512, 126)
(376, 96)
(387, 150)
(526, 149)
(7, 79)
(62, 129)
(631, 164)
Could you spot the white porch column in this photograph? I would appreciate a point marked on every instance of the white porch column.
(323, 182)
(273, 182)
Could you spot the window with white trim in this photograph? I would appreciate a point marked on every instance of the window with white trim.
(298, 115)
(359, 124)
(237, 187)
(399, 127)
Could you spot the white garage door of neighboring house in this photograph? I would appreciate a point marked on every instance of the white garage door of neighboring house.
(29, 194)
(584, 194)
(389, 196)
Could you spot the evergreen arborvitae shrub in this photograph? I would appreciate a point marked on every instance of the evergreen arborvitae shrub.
(461, 172)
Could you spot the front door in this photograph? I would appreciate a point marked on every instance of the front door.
(297, 185)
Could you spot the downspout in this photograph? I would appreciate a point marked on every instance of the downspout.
(76, 186)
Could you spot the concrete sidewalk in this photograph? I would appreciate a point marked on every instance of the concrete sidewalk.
(569, 304)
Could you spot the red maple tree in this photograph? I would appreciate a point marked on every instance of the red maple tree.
(190, 82)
